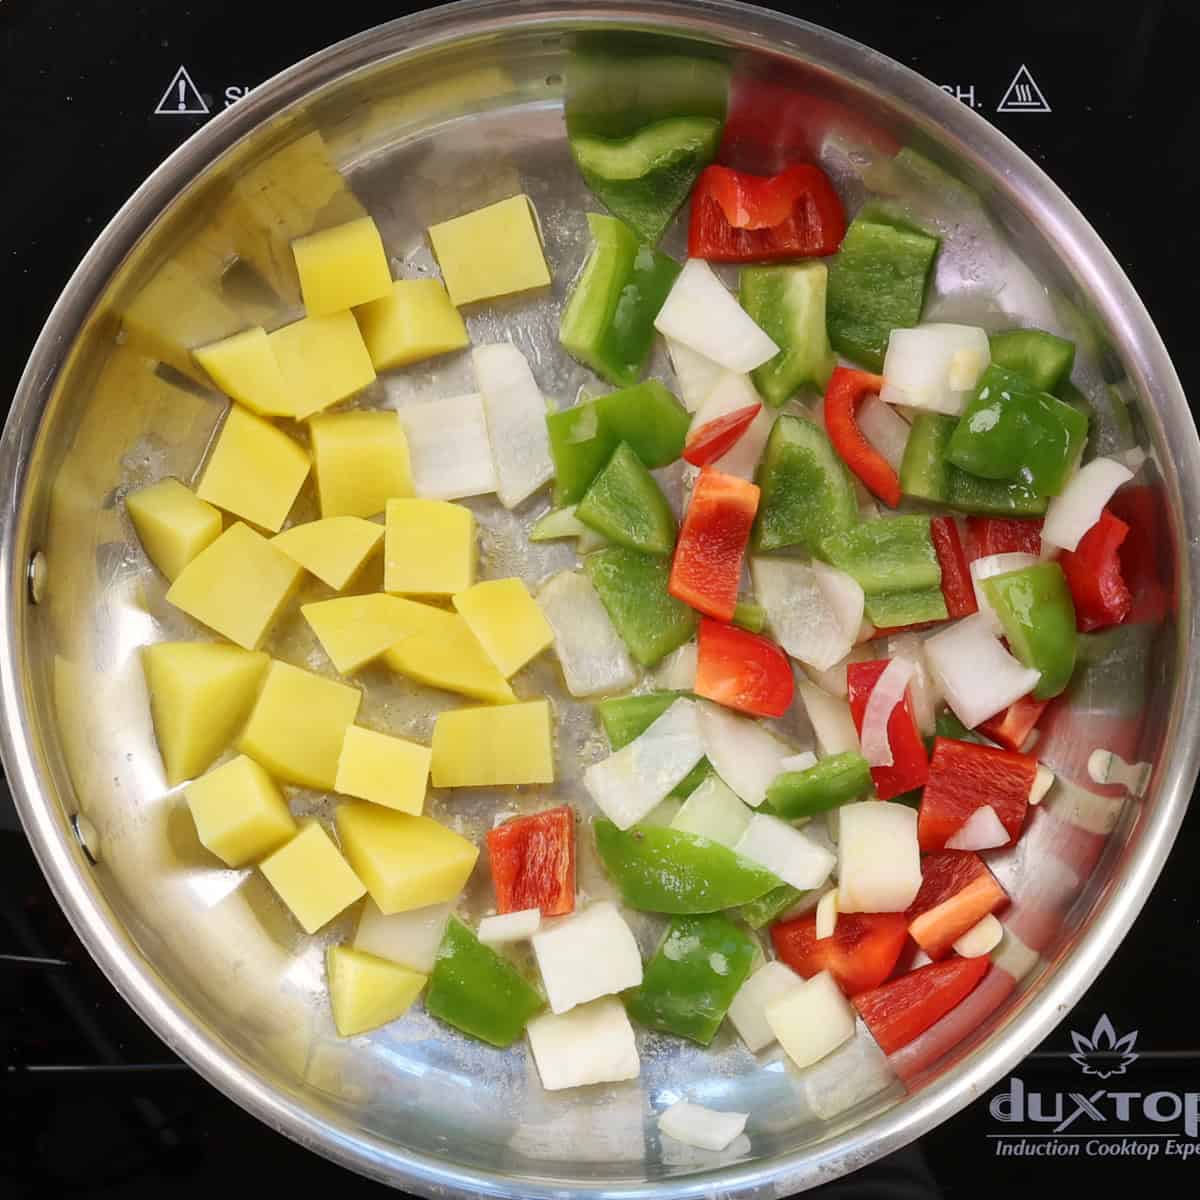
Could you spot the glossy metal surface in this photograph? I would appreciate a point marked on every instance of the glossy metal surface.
(426, 118)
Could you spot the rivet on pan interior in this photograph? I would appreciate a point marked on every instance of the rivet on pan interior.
(89, 837)
(37, 576)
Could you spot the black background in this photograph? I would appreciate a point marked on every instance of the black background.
(78, 86)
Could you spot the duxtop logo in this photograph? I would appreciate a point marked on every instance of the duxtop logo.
(1104, 1054)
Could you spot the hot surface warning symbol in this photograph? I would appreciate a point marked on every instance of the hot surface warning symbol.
(182, 98)
(1023, 95)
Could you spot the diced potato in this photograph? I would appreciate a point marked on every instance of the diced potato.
(323, 360)
(237, 586)
(591, 954)
(200, 693)
(385, 770)
(245, 368)
(334, 549)
(298, 724)
(312, 878)
(342, 267)
(506, 619)
(361, 462)
(409, 938)
(240, 814)
(492, 251)
(485, 747)
(429, 548)
(593, 1043)
(355, 630)
(254, 471)
(366, 992)
(406, 861)
(414, 321)
(811, 1020)
(748, 1012)
(173, 523)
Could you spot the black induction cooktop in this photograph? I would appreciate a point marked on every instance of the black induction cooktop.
(94, 95)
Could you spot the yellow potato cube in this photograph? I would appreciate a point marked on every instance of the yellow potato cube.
(406, 862)
(361, 460)
(355, 630)
(334, 550)
(237, 586)
(366, 992)
(414, 321)
(342, 267)
(312, 878)
(441, 651)
(385, 770)
(487, 747)
(240, 814)
(507, 621)
(491, 252)
(323, 360)
(244, 366)
(200, 693)
(429, 548)
(298, 724)
(173, 523)
(254, 471)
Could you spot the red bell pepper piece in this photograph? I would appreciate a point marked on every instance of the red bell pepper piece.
(899, 1011)
(860, 955)
(742, 670)
(957, 892)
(957, 588)
(1012, 726)
(707, 566)
(847, 389)
(533, 862)
(1093, 571)
(964, 776)
(1145, 555)
(738, 217)
(910, 763)
(718, 436)
(1003, 535)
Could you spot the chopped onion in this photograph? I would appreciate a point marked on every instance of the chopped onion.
(879, 860)
(845, 596)
(921, 689)
(704, 1128)
(748, 1012)
(448, 447)
(830, 718)
(730, 393)
(510, 927)
(934, 367)
(996, 564)
(980, 939)
(742, 752)
(714, 812)
(982, 830)
(1043, 781)
(785, 851)
(810, 612)
(833, 681)
(975, 673)
(703, 315)
(557, 523)
(593, 1043)
(1077, 508)
(885, 695)
(516, 421)
(590, 651)
(408, 938)
(884, 428)
(827, 914)
(695, 373)
(677, 672)
(742, 459)
(799, 762)
(853, 1073)
(811, 1020)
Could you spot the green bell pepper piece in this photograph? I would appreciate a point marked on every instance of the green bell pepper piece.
(625, 717)
(766, 908)
(1035, 608)
(691, 981)
(608, 323)
(644, 178)
(664, 870)
(477, 991)
(890, 610)
(1013, 431)
(1043, 359)
(633, 589)
(807, 493)
(583, 438)
(788, 302)
(750, 616)
(947, 725)
(893, 554)
(992, 497)
(626, 505)
(829, 783)
(877, 283)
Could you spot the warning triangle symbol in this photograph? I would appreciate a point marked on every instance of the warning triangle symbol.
(1023, 95)
(182, 98)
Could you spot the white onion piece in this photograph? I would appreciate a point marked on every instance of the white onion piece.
(629, 784)
(730, 393)
(884, 428)
(449, 448)
(799, 762)
(695, 373)
(742, 752)
(833, 681)
(557, 523)
(934, 367)
(976, 674)
(702, 314)
(704, 1128)
(811, 1020)
(748, 1012)
(515, 411)
(996, 564)
(712, 811)
(590, 651)
(982, 830)
(980, 939)
(845, 596)
(592, 1043)
(1077, 508)
(879, 860)
(1043, 781)
(742, 459)
(827, 914)
(785, 851)
(677, 672)
(408, 938)
(505, 928)
(590, 954)
(830, 718)
(885, 695)
(808, 611)
(921, 689)
(854, 1072)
